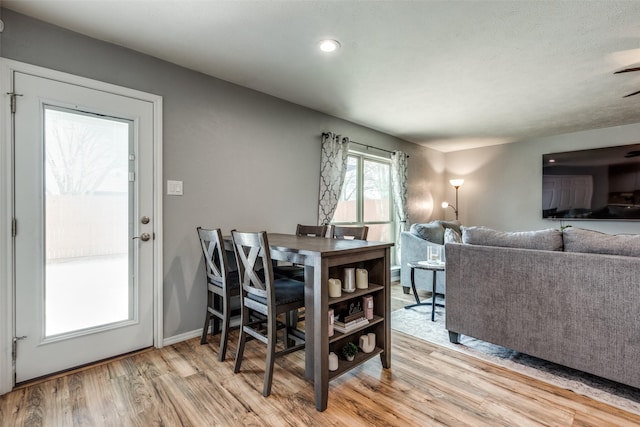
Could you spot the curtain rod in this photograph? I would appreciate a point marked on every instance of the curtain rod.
(366, 145)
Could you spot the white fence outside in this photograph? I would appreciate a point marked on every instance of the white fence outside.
(89, 225)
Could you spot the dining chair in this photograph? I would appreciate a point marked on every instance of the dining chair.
(223, 288)
(311, 230)
(295, 271)
(265, 296)
(344, 232)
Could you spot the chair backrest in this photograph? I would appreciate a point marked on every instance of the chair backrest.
(311, 230)
(252, 256)
(215, 257)
(354, 232)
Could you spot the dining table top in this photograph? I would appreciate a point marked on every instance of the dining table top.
(315, 245)
(309, 246)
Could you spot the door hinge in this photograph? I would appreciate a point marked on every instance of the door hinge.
(14, 227)
(13, 96)
(132, 176)
(14, 348)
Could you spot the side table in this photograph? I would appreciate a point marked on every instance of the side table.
(430, 266)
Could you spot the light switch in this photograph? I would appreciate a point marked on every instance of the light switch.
(174, 188)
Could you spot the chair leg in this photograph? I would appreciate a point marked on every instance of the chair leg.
(205, 329)
(217, 305)
(292, 324)
(224, 336)
(285, 332)
(207, 321)
(271, 354)
(244, 318)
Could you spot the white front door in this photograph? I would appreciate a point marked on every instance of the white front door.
(83, 204)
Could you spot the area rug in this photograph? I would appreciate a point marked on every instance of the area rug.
(417, 322)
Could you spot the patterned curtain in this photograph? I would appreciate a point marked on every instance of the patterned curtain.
(399, 190)
(333, 168)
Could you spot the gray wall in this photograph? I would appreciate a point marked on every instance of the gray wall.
(503, 183)
(248, 160)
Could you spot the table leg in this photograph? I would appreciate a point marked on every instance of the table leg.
(309, 280)
(415, 291)
(433, 303)
(433, 297)
(319, 354)
(413, 285)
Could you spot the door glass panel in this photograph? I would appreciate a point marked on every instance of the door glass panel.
(376, 191)
(87, 211)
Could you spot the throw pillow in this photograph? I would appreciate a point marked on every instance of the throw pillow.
(455, 225)
(431, 231)
(589, 241)
(547, 240)
(452, 236)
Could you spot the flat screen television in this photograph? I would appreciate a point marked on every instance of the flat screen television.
(596, 184)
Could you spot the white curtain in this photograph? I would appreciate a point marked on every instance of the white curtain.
(333, 168)
(399, 190)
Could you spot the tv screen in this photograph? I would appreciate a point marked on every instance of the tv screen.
(597, 184)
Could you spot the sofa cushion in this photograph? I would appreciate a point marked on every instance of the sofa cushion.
(589, 241)
(452, 236)
(548, 240)
(431, 231)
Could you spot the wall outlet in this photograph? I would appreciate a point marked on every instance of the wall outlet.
(174, 188)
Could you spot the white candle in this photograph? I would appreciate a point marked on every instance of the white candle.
(333, 361)
(362, 278)
(335, 288)
(349, 279)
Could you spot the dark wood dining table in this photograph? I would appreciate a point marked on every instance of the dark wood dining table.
(321, 256)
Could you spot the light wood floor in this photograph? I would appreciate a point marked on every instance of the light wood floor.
(184, 384)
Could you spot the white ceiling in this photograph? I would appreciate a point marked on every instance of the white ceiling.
(446, 74)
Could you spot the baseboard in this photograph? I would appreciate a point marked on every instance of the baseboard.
(182, 337)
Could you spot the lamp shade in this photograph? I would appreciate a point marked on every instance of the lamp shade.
(456, 182)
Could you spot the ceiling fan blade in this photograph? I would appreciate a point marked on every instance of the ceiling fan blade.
(631, 94)
(628, 70)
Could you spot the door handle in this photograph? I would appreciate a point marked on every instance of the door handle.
(144, 237)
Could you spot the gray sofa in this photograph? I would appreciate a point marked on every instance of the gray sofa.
(414, 246)
(570, 297)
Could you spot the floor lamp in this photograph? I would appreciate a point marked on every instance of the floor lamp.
(457, 183)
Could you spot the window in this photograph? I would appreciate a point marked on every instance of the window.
(366, 197)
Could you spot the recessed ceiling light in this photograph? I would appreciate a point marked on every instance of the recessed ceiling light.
(329, 45)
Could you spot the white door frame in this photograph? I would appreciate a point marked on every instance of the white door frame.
(7, 261)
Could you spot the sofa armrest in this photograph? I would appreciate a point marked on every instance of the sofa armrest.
(412, 249)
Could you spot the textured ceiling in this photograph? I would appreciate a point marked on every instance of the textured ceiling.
(445, 74)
